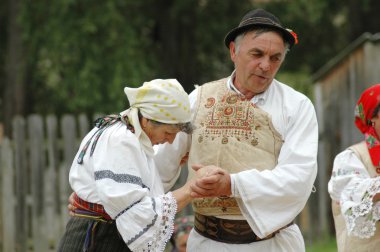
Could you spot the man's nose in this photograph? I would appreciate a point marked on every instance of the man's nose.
(265, 64)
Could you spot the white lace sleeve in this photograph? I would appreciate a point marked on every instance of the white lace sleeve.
(155, 239)
(361, 218)
(169, 209)
(354, 189)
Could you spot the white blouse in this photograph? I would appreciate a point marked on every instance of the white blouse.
(123, 178)
(353, 188)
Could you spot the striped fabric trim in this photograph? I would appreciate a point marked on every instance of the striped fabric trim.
(147, 227)
(119, 177)
(87, 209)
(125, 210)
(102, 124)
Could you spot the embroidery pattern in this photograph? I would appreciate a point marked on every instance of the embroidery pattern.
(166, 225)
(102, 124)
(125, 210)
(233, 116)
(119, 178)
(223, 203)
(147, 227)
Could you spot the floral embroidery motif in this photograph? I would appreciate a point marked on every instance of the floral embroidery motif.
(233, 116)
(210, 102)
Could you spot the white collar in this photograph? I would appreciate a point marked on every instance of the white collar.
(262, 97)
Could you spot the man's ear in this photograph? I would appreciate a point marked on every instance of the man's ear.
(232, 51)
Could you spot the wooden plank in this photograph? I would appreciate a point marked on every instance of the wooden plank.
(70, 147)
(83, 125)
(37, 167)
(7, 197)
(18, 125)
(51, 199)
(1, 132)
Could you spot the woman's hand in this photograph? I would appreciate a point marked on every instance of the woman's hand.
(71, 206)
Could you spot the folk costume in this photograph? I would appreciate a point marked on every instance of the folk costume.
(269, 145)
(354, 182)
(121, 201)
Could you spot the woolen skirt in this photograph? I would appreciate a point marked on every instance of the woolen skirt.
(103, 238)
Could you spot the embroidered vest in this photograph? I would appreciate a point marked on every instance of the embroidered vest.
(352, 243)
(232, 133)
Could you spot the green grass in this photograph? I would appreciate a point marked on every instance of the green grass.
(322, 246)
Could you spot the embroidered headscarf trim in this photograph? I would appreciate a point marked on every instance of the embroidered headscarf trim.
(364, 109)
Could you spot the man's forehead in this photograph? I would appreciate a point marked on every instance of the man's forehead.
(267, 35)
(264, 41)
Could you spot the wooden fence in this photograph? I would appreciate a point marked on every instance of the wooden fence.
(34, 184)
(34, 180)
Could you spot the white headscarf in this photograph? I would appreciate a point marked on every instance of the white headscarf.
(161, 100)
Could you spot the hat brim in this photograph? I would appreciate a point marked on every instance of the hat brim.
(239, 30)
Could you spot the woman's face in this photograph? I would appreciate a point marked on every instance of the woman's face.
(376, 122)
(159, 134)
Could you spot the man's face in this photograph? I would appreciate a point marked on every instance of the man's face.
(257, 61)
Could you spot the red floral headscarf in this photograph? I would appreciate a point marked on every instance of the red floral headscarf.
(364, 109)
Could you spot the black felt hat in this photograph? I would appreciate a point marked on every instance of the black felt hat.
(260, 18)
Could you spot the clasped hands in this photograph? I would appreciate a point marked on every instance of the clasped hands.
(209, 181)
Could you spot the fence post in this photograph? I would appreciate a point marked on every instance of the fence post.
(51, 181)
(70, 146)
(37, 167)
(21, 183)
(8, 197)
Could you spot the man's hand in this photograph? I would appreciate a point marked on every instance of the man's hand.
(211, 181)
(71, 206)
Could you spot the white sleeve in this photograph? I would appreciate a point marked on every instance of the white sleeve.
(143, 218)
(168, 156)
(354, 189)
(271, 199)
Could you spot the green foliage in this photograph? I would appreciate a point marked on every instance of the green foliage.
(321, 28)
(300, 81)
(80, 54)
(328, 245)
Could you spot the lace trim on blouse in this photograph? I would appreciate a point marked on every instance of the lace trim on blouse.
(361, 219)
(166, 225)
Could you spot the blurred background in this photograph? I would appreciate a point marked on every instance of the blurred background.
(64, 62)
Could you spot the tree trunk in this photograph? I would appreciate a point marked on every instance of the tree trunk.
(176, 35)
(14, 88)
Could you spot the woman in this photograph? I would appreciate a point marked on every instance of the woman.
(120, 200)
(355, 183)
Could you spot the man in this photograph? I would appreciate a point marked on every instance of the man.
(262, 133)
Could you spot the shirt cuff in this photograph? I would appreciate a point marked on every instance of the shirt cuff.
(234, 190)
